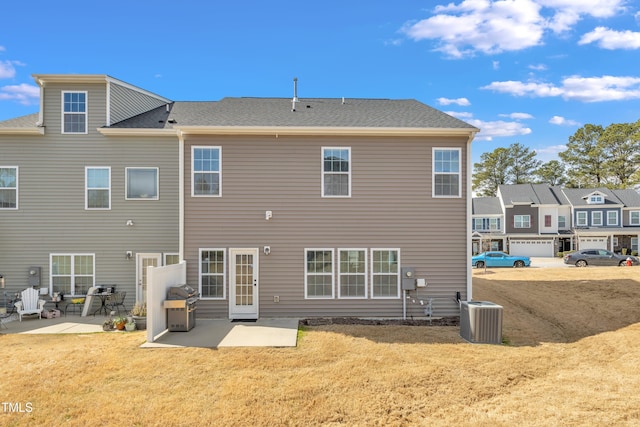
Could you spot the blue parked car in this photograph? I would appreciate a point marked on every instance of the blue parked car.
(499, 259)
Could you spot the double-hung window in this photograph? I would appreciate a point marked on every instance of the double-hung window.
(8, 187)
(74, 112)
(336, 172)
(581, 219)
(206, 171)
(446, 179)
(352, 273)
(318, 273)
(212, 273)
(562, 221)
(634, 218)
(98, 188)
(142, 183)
(522, 221)
(612, 218)
(596, 218)
(385, 274)
(72, 274)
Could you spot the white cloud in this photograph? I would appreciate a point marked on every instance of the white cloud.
(498, 129)
(464, 102)
(23, 93)
(549, 152)
(538, 67)
(460, 114)
(7, 70)
(496, 65)
(611, 39)
(561, 121)
(585, 89)
(518, 116)
(492, 27)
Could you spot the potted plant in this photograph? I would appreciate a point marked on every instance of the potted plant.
(107, 325)
(139, 313)
(130, 326)
(119, 322)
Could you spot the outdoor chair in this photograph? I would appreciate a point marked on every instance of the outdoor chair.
(115, 301)
(30, 303)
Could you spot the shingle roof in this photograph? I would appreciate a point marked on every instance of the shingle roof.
(486, 206)
(629, 197)
(28, 121)
(577, 196)
(312, 112)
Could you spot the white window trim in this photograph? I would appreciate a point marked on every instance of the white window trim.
(72, 285)
(631, 221)
(86, 188)
(333, 271)
(126, 182)
(612, 223)
(399, 290)
(434, 173)
(323, 172)
(86, 113)
(11, 188)
(593, 218)
(193, 172)
(562, 224)
(634, 243)
(365, 274)
(515, 223)
(224, 274)
(584, 216)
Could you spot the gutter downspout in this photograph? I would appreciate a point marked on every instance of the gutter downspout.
(469, 225)
(180, 196)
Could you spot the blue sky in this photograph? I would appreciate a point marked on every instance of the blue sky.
(527, 71)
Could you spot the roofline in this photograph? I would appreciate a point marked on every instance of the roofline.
(42, 79)
(291, 130)
(22, 131)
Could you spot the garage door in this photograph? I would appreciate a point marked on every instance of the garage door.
(592, 243)
(542, 248)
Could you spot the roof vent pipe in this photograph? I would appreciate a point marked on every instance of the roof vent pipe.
(295, 94)
(167, 108)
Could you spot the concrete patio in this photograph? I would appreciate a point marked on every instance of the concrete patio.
(208, 333)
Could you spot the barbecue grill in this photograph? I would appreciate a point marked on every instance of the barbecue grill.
(181, 308)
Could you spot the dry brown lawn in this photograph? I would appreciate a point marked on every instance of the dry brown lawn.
(573, 358)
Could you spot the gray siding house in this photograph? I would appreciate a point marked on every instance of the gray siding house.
(81, 208)
(280, 207)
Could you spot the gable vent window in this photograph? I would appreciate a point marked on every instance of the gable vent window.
(74, 112)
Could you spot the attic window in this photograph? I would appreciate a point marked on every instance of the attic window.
(596, 199)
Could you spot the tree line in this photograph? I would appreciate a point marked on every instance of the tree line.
(596, 156)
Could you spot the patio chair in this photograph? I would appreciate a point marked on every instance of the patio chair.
(115, 301)
(30, 303)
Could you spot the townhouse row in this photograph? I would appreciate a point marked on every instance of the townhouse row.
(543, 221)
(279, 207)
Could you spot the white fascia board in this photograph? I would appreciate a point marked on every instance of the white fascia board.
(42, 79)
(136, 132)
(343, 131)
(22, 131)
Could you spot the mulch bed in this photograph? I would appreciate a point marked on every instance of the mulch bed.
(440, 321)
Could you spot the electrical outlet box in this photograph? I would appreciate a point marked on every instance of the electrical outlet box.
(276, 298)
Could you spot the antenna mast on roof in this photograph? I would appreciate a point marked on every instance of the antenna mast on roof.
(295, 94)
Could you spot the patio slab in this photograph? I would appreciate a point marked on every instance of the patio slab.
(220, 333)
(208, 333)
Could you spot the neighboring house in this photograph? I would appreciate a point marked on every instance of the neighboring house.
(542, 220)
(605, 219)
(535, 219)
(487, 225)
(280, 207)
(78, 207)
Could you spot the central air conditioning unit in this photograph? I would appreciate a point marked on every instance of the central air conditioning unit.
(481, 322)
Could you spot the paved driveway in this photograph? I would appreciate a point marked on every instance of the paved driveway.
(547, 262)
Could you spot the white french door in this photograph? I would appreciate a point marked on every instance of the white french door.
(243, 287)
(142, 262)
